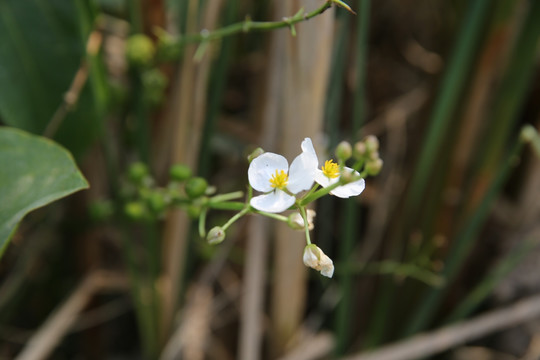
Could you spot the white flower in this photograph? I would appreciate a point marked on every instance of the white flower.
(297, 223)
(270, 173)
(315, 258)
(329, 174)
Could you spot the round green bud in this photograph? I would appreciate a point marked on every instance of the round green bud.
(374, 155)
(193, 211)
(137, 172)
(372, 143)
(216, 235)
(180, 172)
(157, 202)
(373, 167)
(154, 85)
(359, 150)
(140, 50)
(344, 150)
(195, 187)
(255, 153)
(135, 210)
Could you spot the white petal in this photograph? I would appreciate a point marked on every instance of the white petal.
(345, 191)
(328, 270)
(326, 265)
(274, 202)
(263, 167)
(303, 167)
(324, 180)
(350, 189)
(310, 257)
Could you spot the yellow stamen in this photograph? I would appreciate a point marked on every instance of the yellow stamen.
(279, 180)
(330, 169)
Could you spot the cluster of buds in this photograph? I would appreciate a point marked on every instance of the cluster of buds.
(146, 201)
(364, 152)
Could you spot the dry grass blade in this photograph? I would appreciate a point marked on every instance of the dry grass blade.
(188, 121)
(189, 341)
(305, 77)
(428, 344)
(59, 323)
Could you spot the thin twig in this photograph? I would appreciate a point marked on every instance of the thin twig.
(424, 345)
(249, 25)
(59, 323)
(79, 80)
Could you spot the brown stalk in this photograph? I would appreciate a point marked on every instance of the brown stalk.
(424, 345)
(43, 342)
(305, 74)
(186, 121)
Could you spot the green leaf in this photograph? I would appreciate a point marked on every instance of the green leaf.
(35, 172)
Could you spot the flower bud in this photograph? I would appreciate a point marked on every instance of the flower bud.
(372, 143)
(180, 172)
(196, 187)
(194, 211)
(140, 50)
(359, 150)
(154, 85)
(296, 221)
(137, 172)
(374, 156)
(156, 201)
(373, 167)
(316, 259)
(216, 235)
(344, 150)
(135, 210)
(257, 152)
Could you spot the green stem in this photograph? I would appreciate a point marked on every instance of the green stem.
(248, 25)
(202, 222)
(272, 215)
(326, 190)
(232, 205)
(244, 211)
(226, 197)
(306, 225)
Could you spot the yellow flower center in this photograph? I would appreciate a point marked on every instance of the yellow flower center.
(330, 169)
(279, 180)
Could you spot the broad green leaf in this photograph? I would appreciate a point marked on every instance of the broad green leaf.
(42, 46)
(35, 171)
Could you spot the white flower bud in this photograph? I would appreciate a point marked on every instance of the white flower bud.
(297, 222)
(316, 259)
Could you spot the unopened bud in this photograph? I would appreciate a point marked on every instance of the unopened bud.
(372, 143)
(374, 155)
(296, 221)
(135, 210)
(316, 259)
(157, 202)
(180, 172)
(344, 150)
(359, 150)
(196, 187)
(374, 167)
(137, 172)
(140, 50)
(255, 153)
(216, 235)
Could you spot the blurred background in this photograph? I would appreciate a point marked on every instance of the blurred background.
(447, 232)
